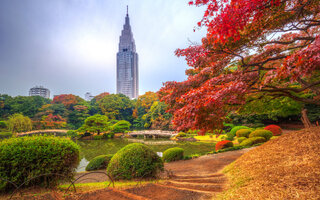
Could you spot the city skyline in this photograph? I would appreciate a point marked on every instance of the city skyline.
(70, 46)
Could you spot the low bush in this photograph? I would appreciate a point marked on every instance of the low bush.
(243, 133)
(240, 139)
(173, 154)
(223, 144)
(257, 140)
(247, 142)
(134, 161)
(261, 133)
(99, 162)
(25, 157)
(233, 131)
(276, 130)
(252, 141)
(181, 134)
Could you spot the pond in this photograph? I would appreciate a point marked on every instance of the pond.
(92, 148)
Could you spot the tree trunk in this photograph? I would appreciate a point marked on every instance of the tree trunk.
(304, 118)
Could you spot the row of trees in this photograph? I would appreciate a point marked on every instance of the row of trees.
(70, 111)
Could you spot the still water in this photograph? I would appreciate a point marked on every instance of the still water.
(92, 148)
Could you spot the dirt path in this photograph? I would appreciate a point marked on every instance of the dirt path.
(198, 178)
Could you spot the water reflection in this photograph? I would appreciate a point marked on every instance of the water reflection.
(92, 148)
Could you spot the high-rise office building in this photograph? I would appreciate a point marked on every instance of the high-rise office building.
(39, 91)
(127, 63)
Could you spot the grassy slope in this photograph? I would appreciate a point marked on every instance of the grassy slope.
(284, 168)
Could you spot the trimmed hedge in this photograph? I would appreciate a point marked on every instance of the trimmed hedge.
(99, 162)
(276, 130)
(223, 144)
(257, 140)
(252, 141)
(25, 157)
(243, 133)
(261, 133)
(240, 139)
(173, 154)
(134, 161)
(233, 131)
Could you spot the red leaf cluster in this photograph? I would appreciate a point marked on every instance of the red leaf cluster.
(276, 130)
(67, 100)
(252, 46)
(223, 144)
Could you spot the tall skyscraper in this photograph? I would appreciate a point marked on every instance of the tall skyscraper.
(39, 91)
(127, 63)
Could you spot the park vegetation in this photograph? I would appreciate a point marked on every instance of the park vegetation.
(104, 113)
(135, 161)
(256, 54)
(47, 160)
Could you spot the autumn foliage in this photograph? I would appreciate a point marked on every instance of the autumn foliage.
(223, 144)
(276, 130)
(67, 100)
(268, 47)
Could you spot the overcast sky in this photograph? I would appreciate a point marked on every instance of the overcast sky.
(70, 46)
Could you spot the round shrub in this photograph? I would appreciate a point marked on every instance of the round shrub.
(99, 162)
(247, 142)
(261, 133)
(134, 161)
(223, 144)
(240, 139)
(243, 133)
(173, 154)
(181, 134)
(252, 141)
(276, 130)
(257, 140)
(233, 131)
(25, 157)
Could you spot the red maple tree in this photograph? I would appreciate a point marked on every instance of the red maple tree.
(251, 46)
(68, 100)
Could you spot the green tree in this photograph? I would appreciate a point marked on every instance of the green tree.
(28, 106)
(117, 106)
(121, 126)
(157, 117)
(95, 124)
(19, 123)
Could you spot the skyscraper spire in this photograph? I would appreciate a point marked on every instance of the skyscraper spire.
(127, 63)
(127, 10)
